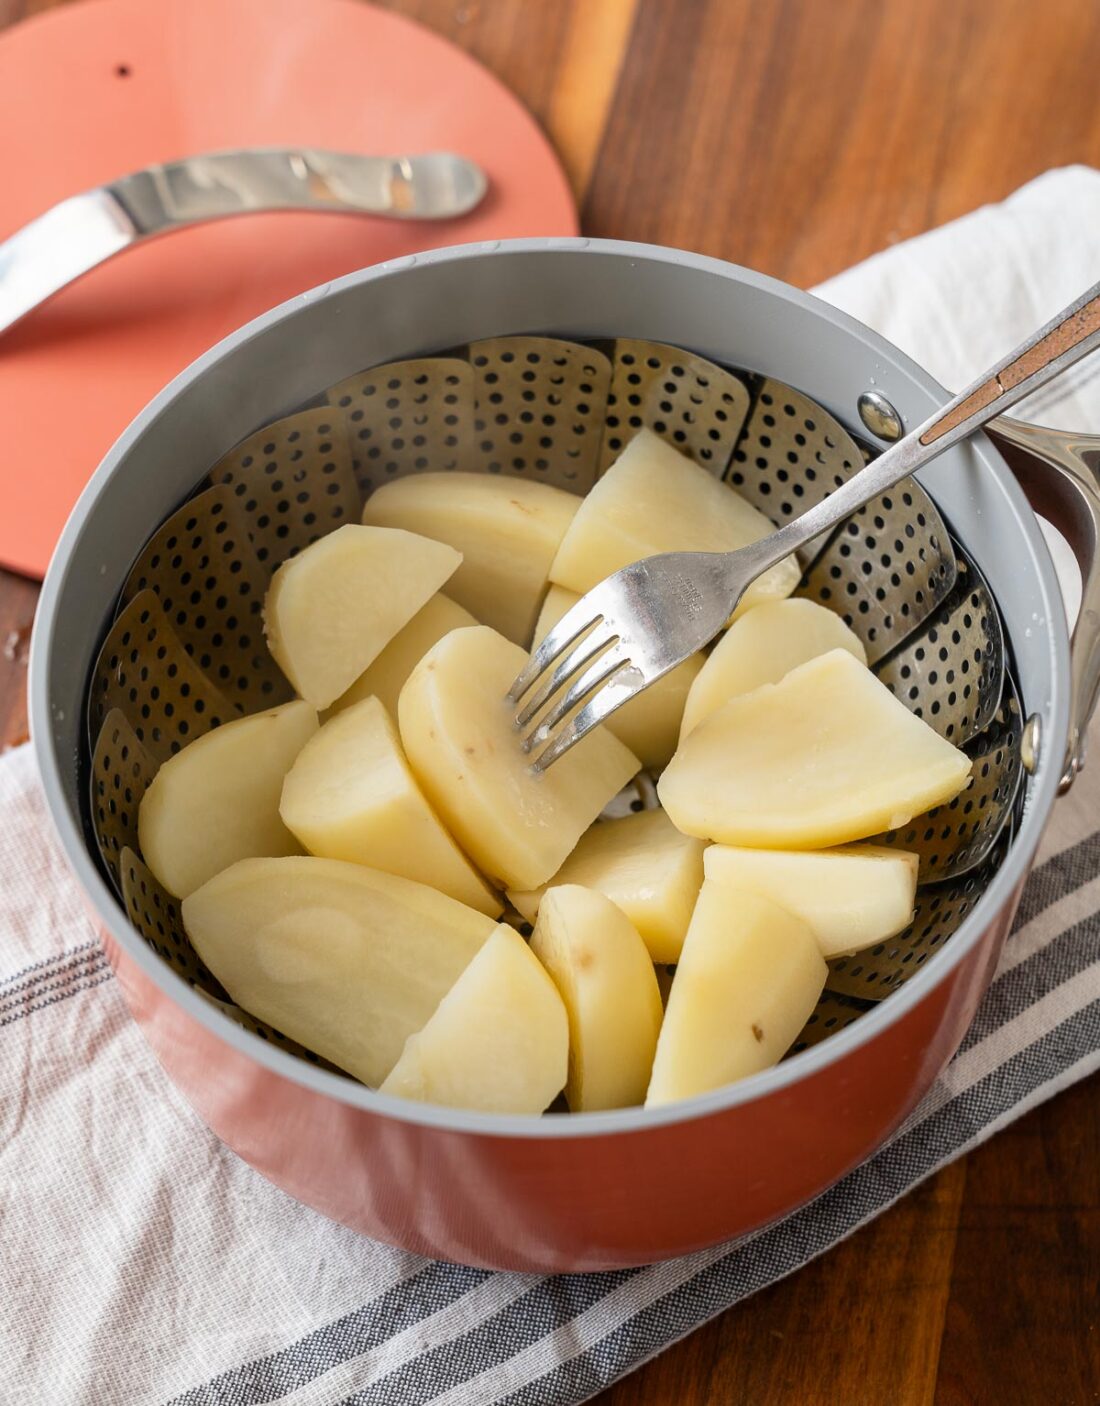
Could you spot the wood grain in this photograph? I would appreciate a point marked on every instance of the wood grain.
(1023, 1315)
(17, 601)
(585, 84)
(563, 59)
(862, 1324)
(799, 137)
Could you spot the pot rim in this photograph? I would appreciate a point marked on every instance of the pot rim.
(1043, 788)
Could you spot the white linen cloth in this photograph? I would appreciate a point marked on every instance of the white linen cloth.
(142, 1262)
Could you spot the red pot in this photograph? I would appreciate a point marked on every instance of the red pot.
(596, 1190)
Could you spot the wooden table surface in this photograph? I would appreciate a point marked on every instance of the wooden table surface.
(797, 137)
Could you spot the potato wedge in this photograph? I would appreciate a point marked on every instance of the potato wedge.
(849, 898)
(331, 610)
(351, 795)
(763, 646)
(649, 724)
(499, 1040)
(385, 678)
(748, 978)
(645, 866)
(605, 976)
(826, 755)
(217, 800)
(653, 499)
(456, 727)
(346, 960)
(507, 530)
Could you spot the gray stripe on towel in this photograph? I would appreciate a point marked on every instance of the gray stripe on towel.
(268, 1378)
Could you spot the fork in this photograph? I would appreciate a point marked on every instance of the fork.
(632, 628)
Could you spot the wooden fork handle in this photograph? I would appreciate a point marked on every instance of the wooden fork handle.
(1053, 343)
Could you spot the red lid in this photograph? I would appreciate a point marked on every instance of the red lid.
(93, 91)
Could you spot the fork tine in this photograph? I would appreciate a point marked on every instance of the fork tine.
(609, 663)
(575, 622)
(590, 646)
(618, 690)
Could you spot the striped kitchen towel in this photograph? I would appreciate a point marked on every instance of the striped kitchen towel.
(142, 1262)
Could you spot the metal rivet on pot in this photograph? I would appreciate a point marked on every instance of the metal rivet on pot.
(879, 416)
(1031, 742)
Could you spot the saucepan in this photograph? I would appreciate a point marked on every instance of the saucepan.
(652, 334)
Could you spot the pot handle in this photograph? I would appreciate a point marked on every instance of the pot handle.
(1060, 473)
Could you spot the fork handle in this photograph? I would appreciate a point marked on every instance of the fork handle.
(1064, 340)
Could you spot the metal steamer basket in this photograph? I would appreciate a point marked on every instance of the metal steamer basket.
(541, 359)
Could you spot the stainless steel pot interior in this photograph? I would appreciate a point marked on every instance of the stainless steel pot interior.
(459, 296)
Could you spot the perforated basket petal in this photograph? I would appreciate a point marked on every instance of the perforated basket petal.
(203, 569)
(951, 671)
(156, 915)
(294, 482)
(407, 417)
(940, 908)
(145, 673)
(886, 569)
(122, 769)
(539, 409)
(832, 1013)
(791, 455)
(954, 838)
(699, 408)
